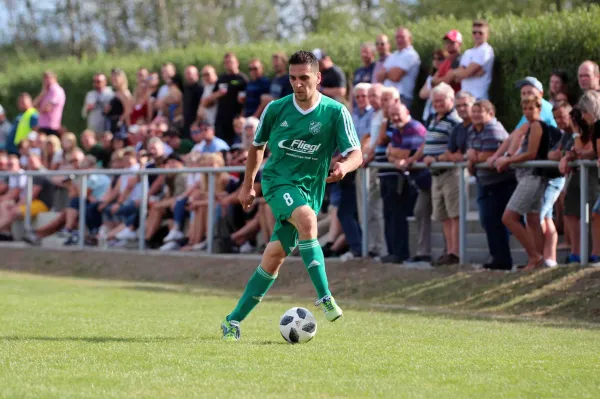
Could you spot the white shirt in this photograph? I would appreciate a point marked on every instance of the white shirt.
(409, 61)
(210, 114)
(478, 86)
(17, 181)
(162, 92)
(95, 118)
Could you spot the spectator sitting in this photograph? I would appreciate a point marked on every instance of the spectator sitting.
(172, 103)
(382, 45)
(50, 102)
(444, 187)
(527, 198)
(494, 189)
(402, 67)
(558, 87)
(256, 87)
(91, 147)
(249, 131)
(204, 135)
(41, 195)
(26, 121)
(588, 76)
(476, 65)
(3, 168)
(438, 57)
(5, 128)
(452, 44)
(238, 127)
(68, 144)
(93, 105)
(52, 151)
(106, 141)
(16, 184)
(333, 79)
(179, 145)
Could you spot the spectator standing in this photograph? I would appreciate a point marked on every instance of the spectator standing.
(141, 111)
(408, 135)
(205, 111)
(382, 45)
(50, 103)
(94, 103)
(118, 109)
(457, 142)
(452, 44)
(5, 128)
(168, 73)
(558, 87)
(476, 65)
(402, 67)
(25, 122)
(588, 76)
(444, 186)
(257, 86)
(333, 79)
(494, 189)
(192, 94)
(438, 58)
(364, 73)
(225, 95)
(530, 86)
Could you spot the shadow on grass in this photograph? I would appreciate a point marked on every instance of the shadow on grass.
(269, 343)
(94, 340)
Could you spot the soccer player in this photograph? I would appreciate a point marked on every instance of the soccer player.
(302, 130)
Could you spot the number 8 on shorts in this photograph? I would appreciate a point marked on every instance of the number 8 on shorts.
(288, 199)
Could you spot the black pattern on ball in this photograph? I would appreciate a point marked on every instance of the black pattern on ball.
(294, 336)
(301, 313)
(284, 337)
(309, 327)
(285, 320)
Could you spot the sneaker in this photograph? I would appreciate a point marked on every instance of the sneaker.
(246, 248)
(72, 240)
(32, 239)
(64, 233)
(419, 259)
(117, 243)
(594, 260)
(170, 246)
(126, 234)
(446, 260)
(550, 263)
(330, 308)
(573, 259)
(201, 246)
(348, 256)
(174, 235)
(231, 330)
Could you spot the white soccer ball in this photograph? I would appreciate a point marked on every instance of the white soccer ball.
(298, 326)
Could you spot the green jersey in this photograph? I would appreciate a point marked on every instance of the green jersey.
(302, 144)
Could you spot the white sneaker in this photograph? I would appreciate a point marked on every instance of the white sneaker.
(246, 248)
(170, 246)
(348, 256)
(174, 235)
(201, 246)
(550, 263)
(118, 244)
(126, 234)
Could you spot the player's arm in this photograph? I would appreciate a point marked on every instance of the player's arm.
(349, 144)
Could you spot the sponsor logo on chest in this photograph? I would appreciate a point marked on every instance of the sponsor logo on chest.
(315, 127)
(300, 146)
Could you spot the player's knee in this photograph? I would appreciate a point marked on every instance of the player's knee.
(306, 222)
(273, 257)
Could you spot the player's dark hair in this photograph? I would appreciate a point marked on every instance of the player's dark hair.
(304, 58)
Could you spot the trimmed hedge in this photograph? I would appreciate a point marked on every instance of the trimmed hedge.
(530, 46)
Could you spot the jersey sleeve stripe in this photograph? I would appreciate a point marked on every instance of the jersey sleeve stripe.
(349, 130)
(349, 150)
(260, 125)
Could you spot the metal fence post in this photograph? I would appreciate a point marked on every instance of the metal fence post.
(211, 212)
(82, 210)
(28, 199)
(462, 216)
(584, 212)
(143, 213)
(364, 192)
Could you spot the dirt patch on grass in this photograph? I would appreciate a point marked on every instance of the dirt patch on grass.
(561, 293)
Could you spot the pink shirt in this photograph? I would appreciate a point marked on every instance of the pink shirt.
(55, 96)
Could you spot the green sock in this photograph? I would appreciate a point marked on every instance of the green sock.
(257, 287)
(312, 256)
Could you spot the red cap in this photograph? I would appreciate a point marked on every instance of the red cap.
(453, 36)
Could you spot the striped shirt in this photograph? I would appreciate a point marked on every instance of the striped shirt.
(438, 133)
(488, 139)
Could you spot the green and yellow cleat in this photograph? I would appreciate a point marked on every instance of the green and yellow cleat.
(231, 330)
(330, 308)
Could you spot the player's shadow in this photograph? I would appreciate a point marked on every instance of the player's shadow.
(267, 343)
(94, 340)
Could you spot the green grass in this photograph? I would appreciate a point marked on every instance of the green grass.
(87, 338)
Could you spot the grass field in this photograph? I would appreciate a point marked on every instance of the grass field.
(67, 338)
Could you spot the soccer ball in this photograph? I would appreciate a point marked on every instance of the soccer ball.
(298, 326)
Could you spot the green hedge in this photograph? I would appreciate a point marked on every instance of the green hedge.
(523, 46)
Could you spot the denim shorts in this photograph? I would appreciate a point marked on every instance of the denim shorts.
(335, 195)
(553, 190)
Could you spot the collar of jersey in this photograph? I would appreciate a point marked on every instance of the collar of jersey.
(311, 109)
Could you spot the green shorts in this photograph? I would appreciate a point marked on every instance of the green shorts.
(283, 201)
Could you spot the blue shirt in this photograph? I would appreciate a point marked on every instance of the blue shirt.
(281, 87)
(99, 184)
(546, 115)
(255, 89)
(362, 122)
(216, 145)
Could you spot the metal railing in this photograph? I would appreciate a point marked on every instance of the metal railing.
(583, 176)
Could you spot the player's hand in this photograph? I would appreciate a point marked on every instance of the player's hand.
(246, 197)
(337, 173)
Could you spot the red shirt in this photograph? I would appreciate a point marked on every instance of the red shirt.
(449, 63)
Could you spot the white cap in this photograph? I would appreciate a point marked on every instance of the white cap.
(319, 54)
(1, 110)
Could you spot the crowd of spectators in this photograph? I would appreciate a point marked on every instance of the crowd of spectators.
(209, 120)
